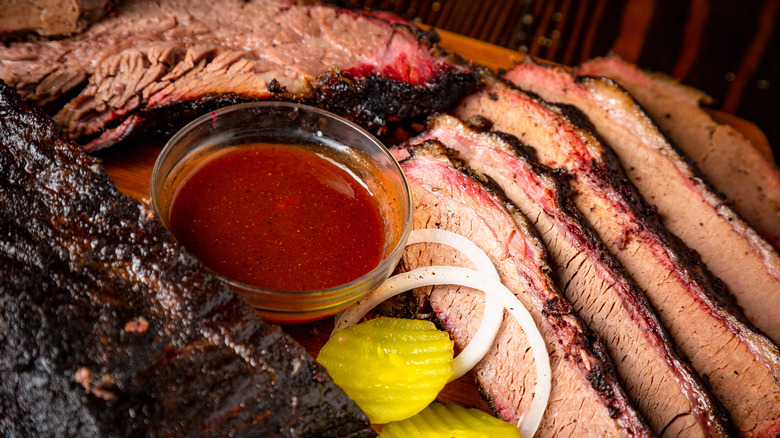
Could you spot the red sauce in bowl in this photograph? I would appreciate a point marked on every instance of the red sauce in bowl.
(279, 217)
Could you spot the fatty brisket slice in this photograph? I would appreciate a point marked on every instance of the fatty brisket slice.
(726, 158)
(586, 398)
(159, 64)
(661, 385)
(740, 366)
(686, 205)
(108, 327)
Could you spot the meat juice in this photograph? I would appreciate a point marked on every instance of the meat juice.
(279, 217)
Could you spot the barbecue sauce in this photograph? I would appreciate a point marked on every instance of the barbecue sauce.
(279, 217)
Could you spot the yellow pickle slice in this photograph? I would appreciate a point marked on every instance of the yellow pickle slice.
(450, 421)
(392, 368)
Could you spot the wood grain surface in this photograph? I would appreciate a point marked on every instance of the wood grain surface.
(130, 166)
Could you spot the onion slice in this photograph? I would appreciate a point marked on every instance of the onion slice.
(470, 249)
(492, 313)
(437, 275)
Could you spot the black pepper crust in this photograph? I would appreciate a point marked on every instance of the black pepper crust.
(373, 102)
(610, 172)
(109, 328)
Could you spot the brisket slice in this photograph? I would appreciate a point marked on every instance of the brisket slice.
(725, 157)
(171, 60)
(586, 398)
(731, 249)
(109, 328)
(741, 366)
(50, 17)
(661, 385)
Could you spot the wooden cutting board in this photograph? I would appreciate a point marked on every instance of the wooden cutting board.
(130, 166)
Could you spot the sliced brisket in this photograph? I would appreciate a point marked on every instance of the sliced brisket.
(586, 398)
(664, 387)
(109, 328)
(725, 157)
(731, 249)
(50, 17)
(171, 60)
(741, 366)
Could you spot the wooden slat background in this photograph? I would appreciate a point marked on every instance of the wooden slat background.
(730, 49)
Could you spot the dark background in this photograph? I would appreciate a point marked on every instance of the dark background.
(730, 49)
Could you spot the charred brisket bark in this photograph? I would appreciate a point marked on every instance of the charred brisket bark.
(741, 366)
(663, 386)
(109, 328)
(687, 206)
(586, 398)
(162, 63)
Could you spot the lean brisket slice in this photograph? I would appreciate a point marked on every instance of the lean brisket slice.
(586, 399)
(662, 386)
(741, 366)
(109, 328)
(729, 247)
(50, 17)
(725, 157)
(158, 64)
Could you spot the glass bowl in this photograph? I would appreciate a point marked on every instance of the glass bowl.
(294, 124)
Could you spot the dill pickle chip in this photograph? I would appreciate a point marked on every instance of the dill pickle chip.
(392, 368)
(450, 421)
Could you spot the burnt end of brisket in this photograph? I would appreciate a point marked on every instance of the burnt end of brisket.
(109, 328)
(163, 121)
(374, 101)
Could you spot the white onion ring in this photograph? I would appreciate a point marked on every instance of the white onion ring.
(492, 313)
(436, 275)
